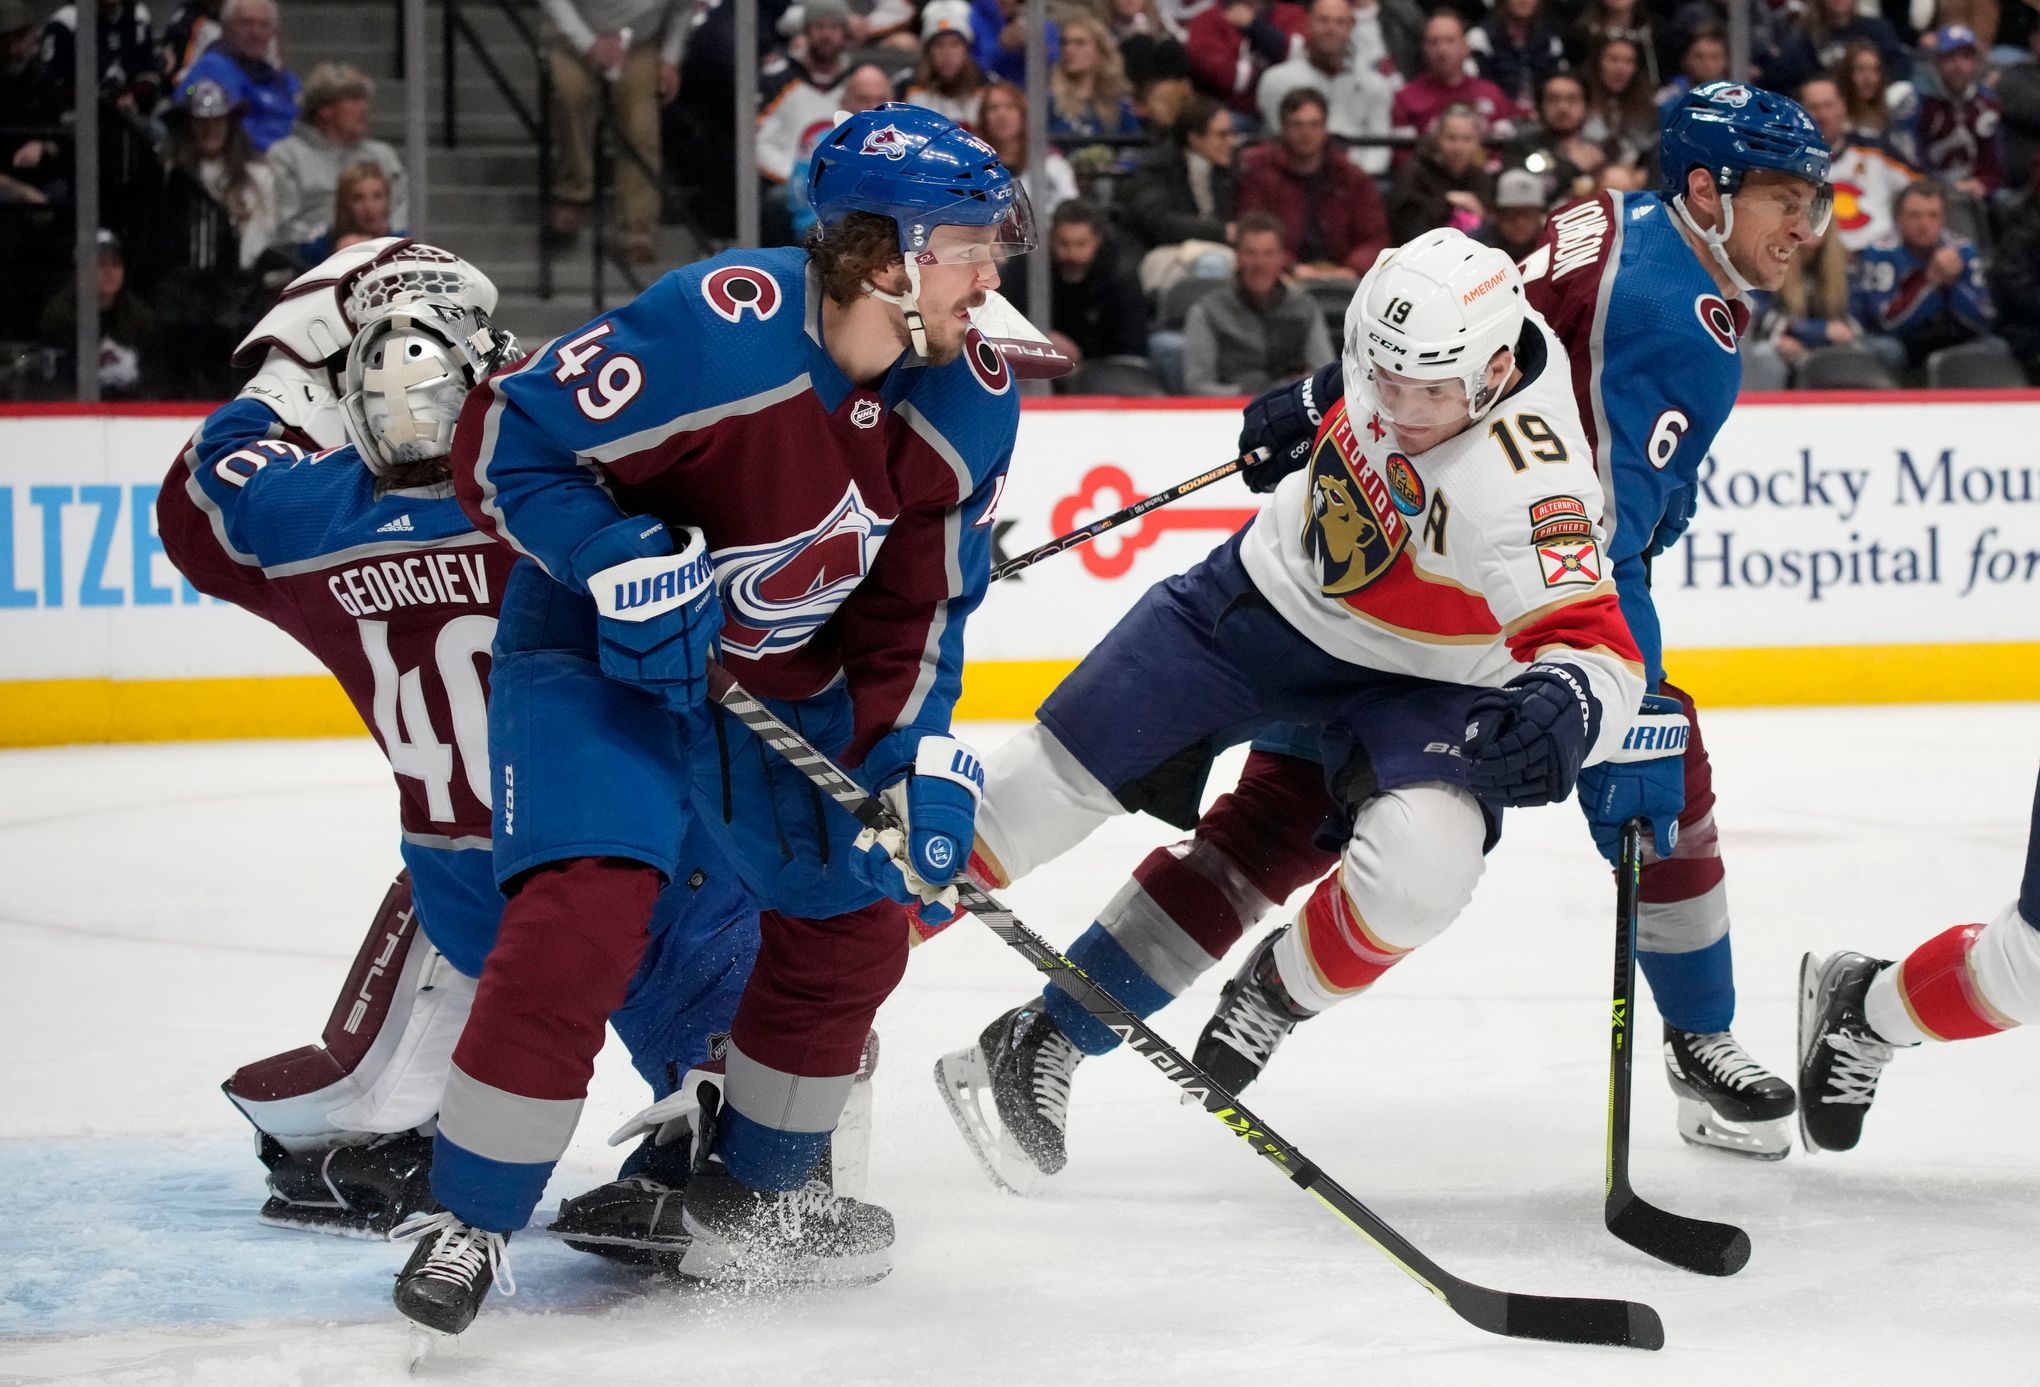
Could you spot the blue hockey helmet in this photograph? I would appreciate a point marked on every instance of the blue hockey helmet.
(1730, 129)
(924, 171)
(927, 173)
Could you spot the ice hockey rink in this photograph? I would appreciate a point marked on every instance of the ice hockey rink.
(169, 912)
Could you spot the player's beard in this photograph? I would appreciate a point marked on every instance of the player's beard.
(945, 333)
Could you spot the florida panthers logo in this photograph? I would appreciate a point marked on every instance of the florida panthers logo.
(1352, 530)
(735, 290)
(987, 363)
(1714, 315)
(777, 595)
(886, 140)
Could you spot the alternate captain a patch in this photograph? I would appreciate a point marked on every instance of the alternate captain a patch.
(1352, 529)
(735, 290)
(1570, 562)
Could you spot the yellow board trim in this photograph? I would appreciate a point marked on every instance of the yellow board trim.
(58, 711)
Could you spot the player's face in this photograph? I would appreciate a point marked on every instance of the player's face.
(1424, 413)
(1774, 217)
(963, 267)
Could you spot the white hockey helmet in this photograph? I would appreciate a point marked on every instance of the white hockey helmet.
(422, 340)
(1435, 310)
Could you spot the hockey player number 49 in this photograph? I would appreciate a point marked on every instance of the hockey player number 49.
(403, 719)
(618, 377)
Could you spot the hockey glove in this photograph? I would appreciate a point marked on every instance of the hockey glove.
(1525, 740)
(659, 613)
(1285, 421)
(932, 784)
(1645, 779)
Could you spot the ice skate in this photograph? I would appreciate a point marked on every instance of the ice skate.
(1010, 1096)
(1255, 1014)
(635, 1219)
(450, 1272)
(780, 1239)
(1840, 1057)
(1727, 1101)
(362, 1190)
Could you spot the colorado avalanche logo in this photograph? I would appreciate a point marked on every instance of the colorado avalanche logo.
(1719, 322)
(736, 290)
(987, 363)
(776, 596)
(1737, 96)
(886, 140)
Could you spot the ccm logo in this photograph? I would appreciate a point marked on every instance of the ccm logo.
(357, 1013)
(1481, 288)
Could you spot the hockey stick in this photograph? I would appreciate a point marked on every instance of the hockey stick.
(1712, 1249)
(1118, 518)
(1564, 1319)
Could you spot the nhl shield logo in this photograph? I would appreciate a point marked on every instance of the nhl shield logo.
(864, 414)
(886, 140)
(1352, 530)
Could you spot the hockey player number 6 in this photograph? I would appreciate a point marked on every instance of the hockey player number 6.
(410, 741)
(617, 380)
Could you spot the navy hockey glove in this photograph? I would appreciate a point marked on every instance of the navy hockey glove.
(932, 784)
(1645, 779)
(1525, 740)
(1285, 421)
(1680, 507)
(658, 611)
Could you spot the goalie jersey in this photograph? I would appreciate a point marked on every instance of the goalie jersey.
(1464, 564)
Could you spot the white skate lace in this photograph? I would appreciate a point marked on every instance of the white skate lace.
(1726, 1060)
(461, 1251)
(792, 1208)
(1860, 1061)
(1252, 1027)
(1054, 1064)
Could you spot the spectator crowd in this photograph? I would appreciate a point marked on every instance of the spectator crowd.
(1218, 173)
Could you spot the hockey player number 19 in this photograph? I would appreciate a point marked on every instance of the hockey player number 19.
(403, 719)
(617, 379)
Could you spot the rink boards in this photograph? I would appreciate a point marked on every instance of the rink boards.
(1847, 549)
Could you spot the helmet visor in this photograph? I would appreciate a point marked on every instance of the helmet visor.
(972, 231)
(1414, 404)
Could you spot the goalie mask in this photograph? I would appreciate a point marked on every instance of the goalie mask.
(1424, 326)
(412, 363)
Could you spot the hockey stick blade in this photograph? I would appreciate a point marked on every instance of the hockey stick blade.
(1120, 517)
(1560, 1319)
(1692, 1244)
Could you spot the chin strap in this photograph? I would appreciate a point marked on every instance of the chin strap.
(908, 303)
(1717, 241)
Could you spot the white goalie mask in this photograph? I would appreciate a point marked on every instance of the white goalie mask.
(1432, 315)
(414, 358)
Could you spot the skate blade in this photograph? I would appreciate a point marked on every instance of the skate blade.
(967, 1091)
(421, 1344)
(367, 1232)
(1810, 969)
(712, 1261)
(1700, 1125)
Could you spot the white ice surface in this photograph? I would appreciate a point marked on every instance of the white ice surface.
(167, 913)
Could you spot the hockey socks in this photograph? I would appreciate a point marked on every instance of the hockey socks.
(1695, 991)
(1965, 982)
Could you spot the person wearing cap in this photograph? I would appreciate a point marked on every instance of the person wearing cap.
(126, 325)
(1959, 134)
(1516, 221)
(208, 145)
(804, 107)
(949, 80)
(1357, 98)
(628, 53)
(241, 62)
(30, 102)
(331, 137)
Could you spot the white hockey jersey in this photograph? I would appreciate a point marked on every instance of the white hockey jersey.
(1464, 564)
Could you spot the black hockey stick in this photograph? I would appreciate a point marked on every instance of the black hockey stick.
(1563, 1319)
(1118, 518)
(1712, 1249)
